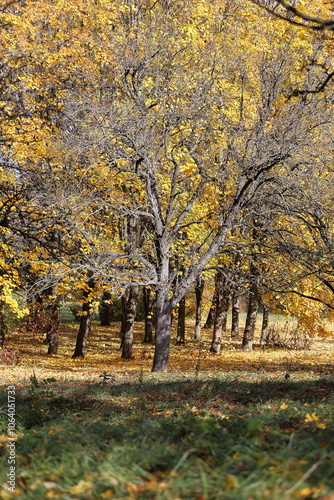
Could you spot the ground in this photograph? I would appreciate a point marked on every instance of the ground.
(243, 426)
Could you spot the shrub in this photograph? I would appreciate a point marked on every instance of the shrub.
(287, 337)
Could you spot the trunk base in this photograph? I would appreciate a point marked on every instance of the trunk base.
(215, 348)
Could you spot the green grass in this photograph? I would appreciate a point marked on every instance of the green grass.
(233, 436)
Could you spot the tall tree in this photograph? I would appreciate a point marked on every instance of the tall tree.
(148, 119)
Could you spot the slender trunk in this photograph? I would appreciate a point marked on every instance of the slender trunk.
(235, 315)
(124, 300)
(3, 325)
(265, 324)
(53, 325)
(211, 315)
(130, 314)
(181, 322)
(253, 305)
(222, 306)
(163, 330)
(85, 323)
(105, 309)
(53, 338)
(49, 308)
(199, 287)
(149, 313)
(84, 329)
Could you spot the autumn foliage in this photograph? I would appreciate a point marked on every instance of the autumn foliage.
(157, 145)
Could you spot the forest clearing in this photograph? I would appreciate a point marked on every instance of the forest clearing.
(26, 354)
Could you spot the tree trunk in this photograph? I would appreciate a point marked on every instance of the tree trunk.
(181, 322)
(222, 306)
(211, 315)
(3, 325)
(105, 309)
(84, 329)
(85, 322)
(50, 315)
(235, 315)
(53, 325)
(253, 305)
(163, 331)
(199, 287)
(130, 314)
(149, 313)
(124, 300)
(265, 324)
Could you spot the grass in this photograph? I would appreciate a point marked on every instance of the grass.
(227, 437)
(235, 426)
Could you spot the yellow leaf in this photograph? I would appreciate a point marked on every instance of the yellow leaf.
(231, 481)
(52, 494)
(82, 487)
(107, 494)
(313, 417)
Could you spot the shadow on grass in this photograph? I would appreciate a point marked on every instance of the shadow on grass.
(206, 438)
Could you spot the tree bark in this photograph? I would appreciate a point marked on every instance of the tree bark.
(163, 330)
(211, 315)
(53, 325)
(181, 322)
(50, 316)
(235, 315)
(105, 309)
(222, 306)
(253, 305)
(84, 329)
(149, 315)
(85, 323)
(199, 287)
(130, 314)
(265, 324)
(124, 299)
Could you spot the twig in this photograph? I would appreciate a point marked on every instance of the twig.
(305, 476)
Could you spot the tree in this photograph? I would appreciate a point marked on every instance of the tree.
(306, 246)
(298, 16)
(147, 120)
(85, 320)
(317, 18)
(104, 310)
(131, 299)
(148, 298)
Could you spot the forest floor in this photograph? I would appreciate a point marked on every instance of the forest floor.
(244, 426)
